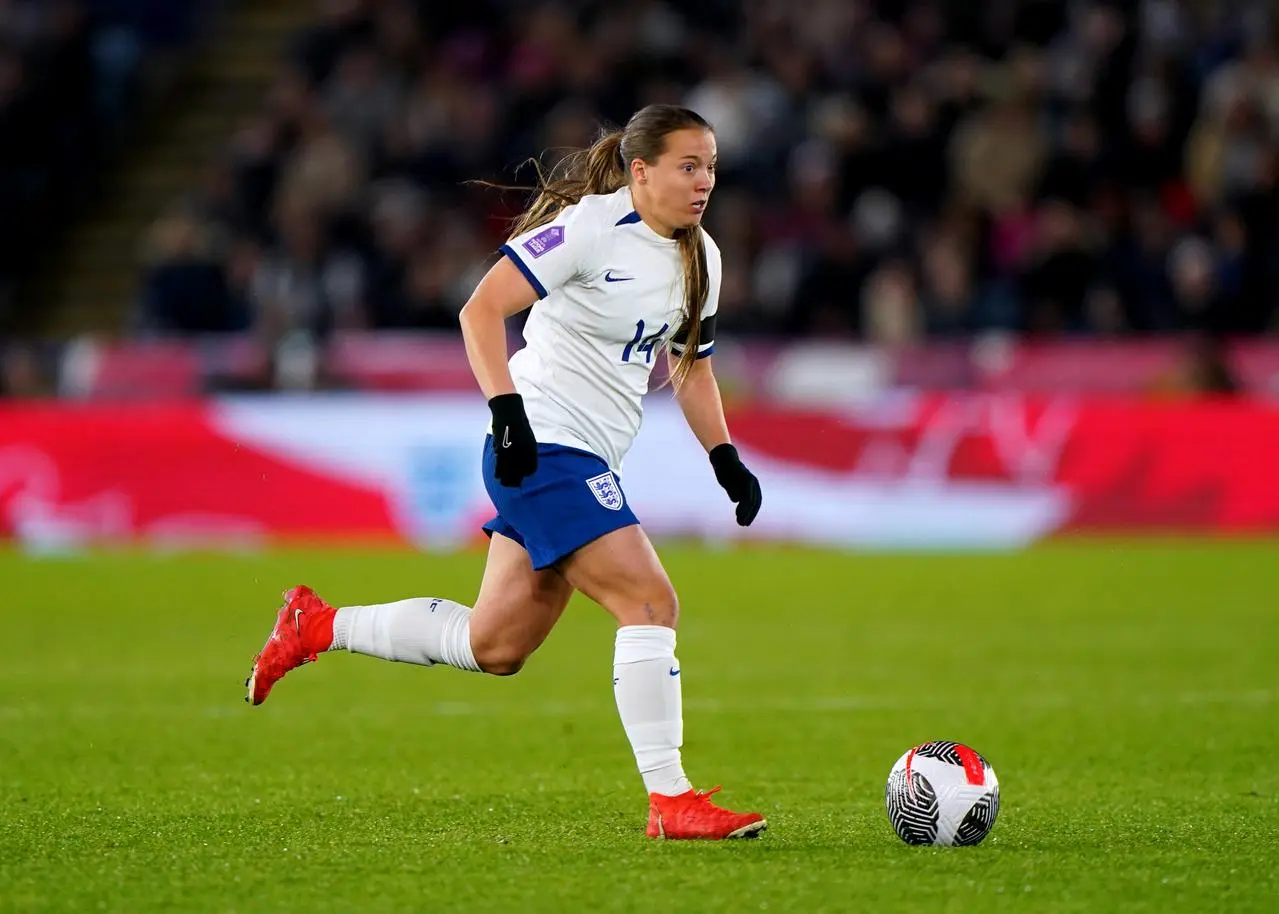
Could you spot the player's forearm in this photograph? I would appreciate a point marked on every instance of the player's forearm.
(699, 399)
(484, 332)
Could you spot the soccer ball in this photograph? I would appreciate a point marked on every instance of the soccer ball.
(942, 793)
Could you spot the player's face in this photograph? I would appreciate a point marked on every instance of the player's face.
(681, 180)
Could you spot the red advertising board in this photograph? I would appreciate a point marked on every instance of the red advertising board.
(993, 470)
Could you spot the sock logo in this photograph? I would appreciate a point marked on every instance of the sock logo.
(435, 604)
(674, 671)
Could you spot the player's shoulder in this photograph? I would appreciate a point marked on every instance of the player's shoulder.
(714, 259)
(712, 249)
(602, 210)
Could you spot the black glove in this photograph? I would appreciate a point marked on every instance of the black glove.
(513, 440)
(740, 483)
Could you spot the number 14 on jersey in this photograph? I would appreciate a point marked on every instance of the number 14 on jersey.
(643, 344)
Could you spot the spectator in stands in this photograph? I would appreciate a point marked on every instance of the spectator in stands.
(948, 292)
(187, 286)
(1202, 367)
(307, 281)
(23, 374)
(1060, 272)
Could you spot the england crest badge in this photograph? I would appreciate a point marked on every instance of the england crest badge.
(606, 491)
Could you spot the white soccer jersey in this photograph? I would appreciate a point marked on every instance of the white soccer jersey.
(612, 296)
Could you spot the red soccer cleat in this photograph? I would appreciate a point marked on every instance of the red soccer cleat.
(302, 630)
(693, 815)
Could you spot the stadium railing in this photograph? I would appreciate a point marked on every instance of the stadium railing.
(815, 372)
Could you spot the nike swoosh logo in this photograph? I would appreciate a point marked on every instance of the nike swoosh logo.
(675, 671)
(506, 437)
(609, 277)
(297, 620)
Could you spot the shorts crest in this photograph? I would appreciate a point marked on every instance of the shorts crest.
(606, 491)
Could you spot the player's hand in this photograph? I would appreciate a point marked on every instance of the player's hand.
(513, 440)
(740, 483)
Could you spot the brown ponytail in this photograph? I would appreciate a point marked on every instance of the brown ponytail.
(697, 286)
(596, 170)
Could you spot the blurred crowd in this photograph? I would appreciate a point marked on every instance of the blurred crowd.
(890, 170)
(70, 74)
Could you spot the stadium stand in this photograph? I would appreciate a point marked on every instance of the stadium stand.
(894, 173)
(75, 76)
(890, 170)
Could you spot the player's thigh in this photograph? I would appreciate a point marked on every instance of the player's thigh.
(621, 572)
(516, 608)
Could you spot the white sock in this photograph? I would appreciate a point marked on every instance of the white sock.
(421, 630)
(646, 684)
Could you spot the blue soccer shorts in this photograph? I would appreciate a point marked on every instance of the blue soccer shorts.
(572, 499)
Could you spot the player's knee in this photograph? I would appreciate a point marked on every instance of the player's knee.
(502, 663)
(658, 606)
(499, 658)
(671, 604)
(507, 666)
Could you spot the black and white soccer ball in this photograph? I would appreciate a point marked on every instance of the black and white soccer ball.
(942, 793)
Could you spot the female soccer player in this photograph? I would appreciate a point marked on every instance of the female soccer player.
(612, 257)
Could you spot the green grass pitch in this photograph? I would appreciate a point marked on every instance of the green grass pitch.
(1125, 693)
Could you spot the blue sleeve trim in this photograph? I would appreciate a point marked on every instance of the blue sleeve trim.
(523, 268)
(629, 219)
(707, 351)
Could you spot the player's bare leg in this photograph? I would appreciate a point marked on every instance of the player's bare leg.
(516, 609)
(621, 572)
